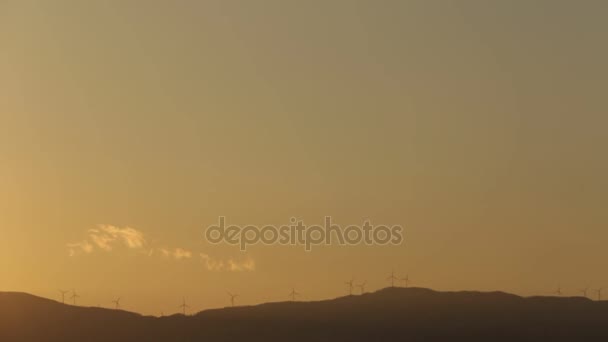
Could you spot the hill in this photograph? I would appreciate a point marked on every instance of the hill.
(412, 314)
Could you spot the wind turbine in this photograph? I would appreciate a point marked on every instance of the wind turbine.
(63, 293)
(293, 294)
(406, 280)
(362, 287)
(117, 303)
(74, 296)
(184, 306)
(599, 293)
(392, 278)
(559, 291)
(232, 297)
(350, 286)
(584, 291)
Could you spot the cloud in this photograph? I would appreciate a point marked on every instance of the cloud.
(246, 265)
(105, 237)
(229, 265)
(101, 240)
(212, 264)
(177, 253)
(182, 254)
(79, 247)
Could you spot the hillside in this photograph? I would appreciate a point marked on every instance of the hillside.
(413, 314)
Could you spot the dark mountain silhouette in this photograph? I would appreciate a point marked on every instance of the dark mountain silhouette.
(412, 314)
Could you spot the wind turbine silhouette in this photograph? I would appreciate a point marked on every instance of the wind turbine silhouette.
(232, 297)
(362, 287)
(599, 293)
(63, 293)
(392, 278)
(584, 291)
(350, 286)
(184, 306)
(117, 302)
(559, 291)
(293, 294)
(74, 296)
(406, 280)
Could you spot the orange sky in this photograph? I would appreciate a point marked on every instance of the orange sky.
(479, 126)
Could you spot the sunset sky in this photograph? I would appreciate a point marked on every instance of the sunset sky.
(479, 126)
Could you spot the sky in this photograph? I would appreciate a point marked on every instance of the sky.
(128, 127)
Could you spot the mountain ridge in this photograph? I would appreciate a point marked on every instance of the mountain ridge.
(420, 314)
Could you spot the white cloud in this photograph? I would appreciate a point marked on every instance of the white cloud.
(102, 241)
(230, 265)
(131, 237)
(212, 264)
(107, 238)
(79, 247)
(245, 265)
(177, 253)
(182, 254)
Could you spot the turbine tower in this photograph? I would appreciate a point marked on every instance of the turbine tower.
(184, 306)
(293, 294)
(559, 291)
(232, 297)
(362, 287)
(599, 293)
(406, 280)
(351, 285)
(584, 291)
(63, 293)
(117, 303)
(392, 278)
(74, 296)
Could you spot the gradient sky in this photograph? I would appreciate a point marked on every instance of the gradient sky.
(480, 126)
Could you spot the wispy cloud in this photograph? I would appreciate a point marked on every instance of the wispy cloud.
(101, 240)
(229, 265)
(107, 238)
(104, 236)
(165, 252)
(182, 254)
(79, 247)
(238, 266)
(212, 264)
(177, 253)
